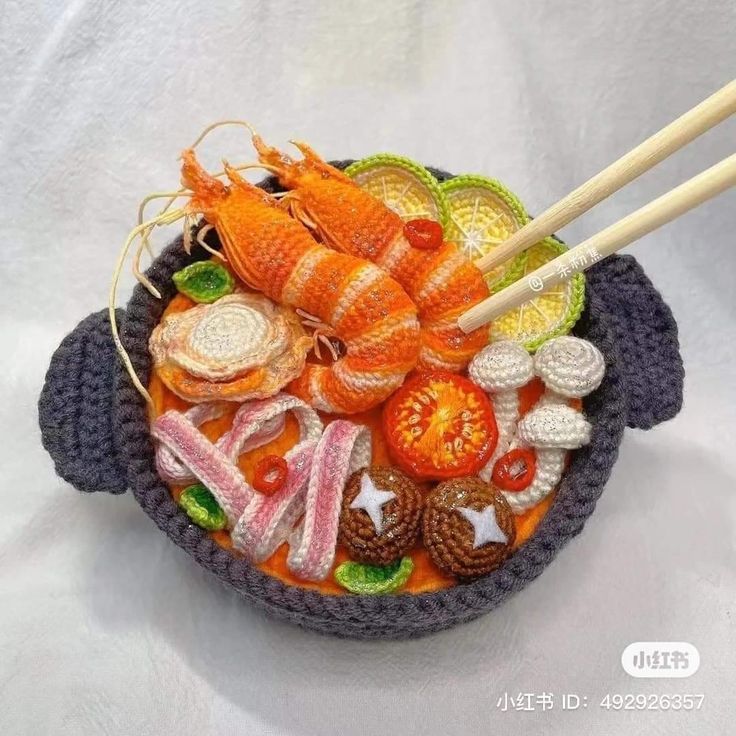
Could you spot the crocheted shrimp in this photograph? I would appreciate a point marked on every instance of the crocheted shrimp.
(275, 254)
(443, 283)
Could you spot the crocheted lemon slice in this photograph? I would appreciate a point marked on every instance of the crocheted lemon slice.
(483, 213)
(548, 315)
(404, 185)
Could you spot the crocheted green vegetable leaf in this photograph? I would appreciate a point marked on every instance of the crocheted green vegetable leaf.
(373, 580)
(403, 185)
(202, 508)
(204, 281)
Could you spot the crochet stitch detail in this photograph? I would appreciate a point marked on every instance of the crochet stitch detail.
(75, 408)
(643, 384)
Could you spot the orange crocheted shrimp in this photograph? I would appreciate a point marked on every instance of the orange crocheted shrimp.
(443, 283)
(364, 307)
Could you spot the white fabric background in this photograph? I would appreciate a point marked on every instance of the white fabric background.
(106, 627)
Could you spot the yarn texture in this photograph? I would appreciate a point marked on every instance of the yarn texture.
(74, 410)
(95, 427)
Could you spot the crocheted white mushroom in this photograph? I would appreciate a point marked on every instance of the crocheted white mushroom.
(551, 430)
(500, 369)
(570, 368)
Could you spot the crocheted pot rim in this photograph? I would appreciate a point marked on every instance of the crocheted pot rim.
(395, 616)
(95, 428)
(401, 615)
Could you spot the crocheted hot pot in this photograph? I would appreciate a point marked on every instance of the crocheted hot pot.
(296, 408)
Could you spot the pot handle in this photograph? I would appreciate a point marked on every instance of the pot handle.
(645, 333)
(75, 408)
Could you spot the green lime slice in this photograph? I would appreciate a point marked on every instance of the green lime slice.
(402, 184)
(484, 213)
(202, 508)
(372, 579)
(204, 281)
(552, 313)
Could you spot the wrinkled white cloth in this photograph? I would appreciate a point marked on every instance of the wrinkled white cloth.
(105, 626)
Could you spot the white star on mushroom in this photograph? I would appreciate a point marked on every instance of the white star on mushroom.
(371, 499)
(485, 526)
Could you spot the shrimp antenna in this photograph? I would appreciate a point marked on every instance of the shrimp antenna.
(164, 219)
(221, 124)
(144, 230)
(145, 242)
(172, 197)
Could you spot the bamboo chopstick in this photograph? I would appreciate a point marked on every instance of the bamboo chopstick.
(669, 206)
(671, 138)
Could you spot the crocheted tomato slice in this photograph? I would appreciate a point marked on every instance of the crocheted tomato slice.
(439, 425)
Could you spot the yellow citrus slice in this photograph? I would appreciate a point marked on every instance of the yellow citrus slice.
(404, 185)
(483, 213)
(548, 315)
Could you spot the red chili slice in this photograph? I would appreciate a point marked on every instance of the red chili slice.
(270, 474)
(439, 425)
(515, 470)
(423, 234)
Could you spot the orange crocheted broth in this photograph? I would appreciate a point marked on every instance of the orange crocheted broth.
(426, 576)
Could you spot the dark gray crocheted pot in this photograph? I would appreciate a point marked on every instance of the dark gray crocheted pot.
(94, 426)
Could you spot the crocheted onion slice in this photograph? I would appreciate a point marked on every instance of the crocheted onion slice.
(484, 213)
(403, 185)
(548, 315)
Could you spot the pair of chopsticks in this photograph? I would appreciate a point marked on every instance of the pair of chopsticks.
(712, 111)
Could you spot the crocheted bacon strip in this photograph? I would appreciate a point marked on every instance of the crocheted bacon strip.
(206, 461)
(172, 470)
(185, 453)
(318, 468)
(344, 448)
(267, 521)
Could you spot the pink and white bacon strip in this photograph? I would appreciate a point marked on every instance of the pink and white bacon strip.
(184, 453)
(318, 467)
(344, 448)
(206, 461)
(172, 470)
(267, 521)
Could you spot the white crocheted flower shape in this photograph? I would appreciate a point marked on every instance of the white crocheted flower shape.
(236, 336)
